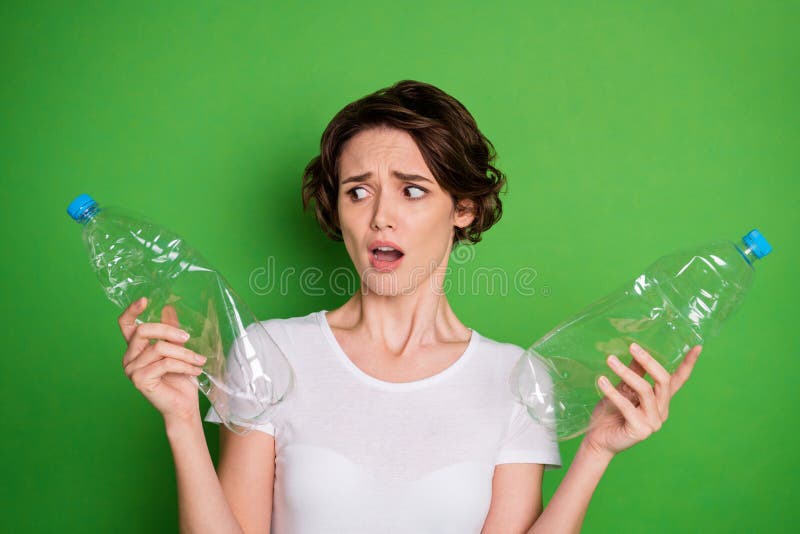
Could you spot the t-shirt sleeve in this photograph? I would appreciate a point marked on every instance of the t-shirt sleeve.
(249, 351)
(527, 441)
(213, 417)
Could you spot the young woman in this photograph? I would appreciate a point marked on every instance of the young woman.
(401, 419)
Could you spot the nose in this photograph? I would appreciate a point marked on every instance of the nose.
(383, 215)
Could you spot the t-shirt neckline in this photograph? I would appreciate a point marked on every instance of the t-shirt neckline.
(394, 386)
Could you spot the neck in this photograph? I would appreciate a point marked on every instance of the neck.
(400, 323)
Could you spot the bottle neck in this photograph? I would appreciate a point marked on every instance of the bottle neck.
(89, 214)
(748, 254)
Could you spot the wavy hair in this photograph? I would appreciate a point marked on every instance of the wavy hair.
(457, 153)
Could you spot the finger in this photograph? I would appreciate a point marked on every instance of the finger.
(636, 367)
(169, 365)
(642, 387)
(146, 331)
(684, 370)
(661, 377)
(148, 378)
(170, 316)
(163, 350)
(628, 410)
(127, 320)
(625, 389)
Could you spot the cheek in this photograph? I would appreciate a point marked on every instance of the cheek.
(432, 232)
(435, 221)
(346, 216)
(353, 242)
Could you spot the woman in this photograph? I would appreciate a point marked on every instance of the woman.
(401, 419)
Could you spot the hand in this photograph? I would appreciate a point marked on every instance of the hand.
(161, 370)
(634, 409)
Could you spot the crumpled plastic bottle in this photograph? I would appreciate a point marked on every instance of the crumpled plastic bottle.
(246, 375)
(678, 302)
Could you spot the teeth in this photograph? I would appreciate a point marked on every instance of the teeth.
(383, 249)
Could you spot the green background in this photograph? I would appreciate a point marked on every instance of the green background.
(627, 130)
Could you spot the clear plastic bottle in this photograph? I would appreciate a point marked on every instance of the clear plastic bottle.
(246, 374)
(676, 303)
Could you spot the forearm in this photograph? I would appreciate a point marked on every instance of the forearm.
(567, 508)
(202, 506)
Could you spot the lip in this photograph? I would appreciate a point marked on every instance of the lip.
(382, 265)
(377, 243)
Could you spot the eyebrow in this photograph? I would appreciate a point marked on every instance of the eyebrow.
(397, 174)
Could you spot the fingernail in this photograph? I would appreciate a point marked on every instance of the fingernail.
(636, 347)
(604, 381)
(200, 358)
(613, 359)
(184, 335)
(141, 301)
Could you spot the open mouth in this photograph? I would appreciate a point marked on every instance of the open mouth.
(387, 254)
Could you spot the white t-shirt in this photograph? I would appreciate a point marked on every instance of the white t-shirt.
(358, 454)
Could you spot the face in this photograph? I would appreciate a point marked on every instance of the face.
(388, 196)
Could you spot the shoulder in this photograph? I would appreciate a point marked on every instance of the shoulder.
(291, 333)
(300, 321)
(497, 354)
(499, 349)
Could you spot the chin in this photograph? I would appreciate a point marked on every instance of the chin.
(389, 284)
(378, 283)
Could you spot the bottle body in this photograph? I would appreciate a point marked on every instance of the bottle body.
(678, 302)
(246, 374)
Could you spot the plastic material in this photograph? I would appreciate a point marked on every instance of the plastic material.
(246, 375)
(678, 302)
(755, 241)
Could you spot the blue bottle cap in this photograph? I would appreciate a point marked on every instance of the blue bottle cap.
(78, 206)
(757, 243)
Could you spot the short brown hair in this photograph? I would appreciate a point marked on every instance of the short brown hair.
(457, 153)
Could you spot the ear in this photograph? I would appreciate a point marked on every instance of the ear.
(464, 213)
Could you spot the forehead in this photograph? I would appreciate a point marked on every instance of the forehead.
(382, 147)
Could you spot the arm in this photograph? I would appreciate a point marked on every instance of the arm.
(240, 499)
(627, 414)
(517, 496)
(160, 371)
(247, 474)
(566, 510)
(202, 506)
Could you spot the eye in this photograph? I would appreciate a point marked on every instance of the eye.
(418, 195)
(350, 193)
